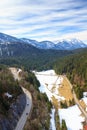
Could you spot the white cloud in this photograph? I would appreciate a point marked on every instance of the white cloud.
(79, 35)
(43, 18)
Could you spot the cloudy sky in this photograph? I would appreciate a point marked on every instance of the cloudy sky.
(44, 19)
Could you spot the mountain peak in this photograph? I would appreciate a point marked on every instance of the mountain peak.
(7, 39)
(70, 44)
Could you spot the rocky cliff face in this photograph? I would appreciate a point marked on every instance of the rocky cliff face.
(9, 122)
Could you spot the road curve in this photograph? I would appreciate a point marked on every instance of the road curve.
(28, 106)
(26, 112)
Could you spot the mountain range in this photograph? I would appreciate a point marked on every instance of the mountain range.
(69, 44)
(14, 51)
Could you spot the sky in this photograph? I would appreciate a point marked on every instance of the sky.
(44, 19)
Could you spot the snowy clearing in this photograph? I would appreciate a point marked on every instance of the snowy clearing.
(50, 82)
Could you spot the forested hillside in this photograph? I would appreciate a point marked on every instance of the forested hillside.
(9, 89)
(33, 58)
(13, 101)
(40, 115)
(75, 67)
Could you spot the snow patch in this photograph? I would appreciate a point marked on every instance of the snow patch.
(52, 120)
(8, 95)
(84, 94)
(72, 117)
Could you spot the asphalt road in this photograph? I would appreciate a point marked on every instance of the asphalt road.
(26, 112)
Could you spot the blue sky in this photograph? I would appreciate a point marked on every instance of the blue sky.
(44, 19)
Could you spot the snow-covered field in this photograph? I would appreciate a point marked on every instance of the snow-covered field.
(71, 115)
(48, 80)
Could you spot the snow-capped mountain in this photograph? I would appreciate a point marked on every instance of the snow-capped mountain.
(31, 42)
(69, 44)
(7, 39)
(12, 46)
(40, 45)
(46, 45)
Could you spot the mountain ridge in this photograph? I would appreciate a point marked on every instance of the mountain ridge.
(59, 45)
(64, 44)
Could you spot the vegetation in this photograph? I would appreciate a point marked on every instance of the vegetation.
(75, 67)
(40, 115)
(59, 126)
(57, 120)
(63, 104)
(30, 57)
(10, 86)
(63, 126)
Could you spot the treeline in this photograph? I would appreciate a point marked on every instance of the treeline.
(75, 67)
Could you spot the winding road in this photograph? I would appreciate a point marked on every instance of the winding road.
(26, 112)
(28, 107)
